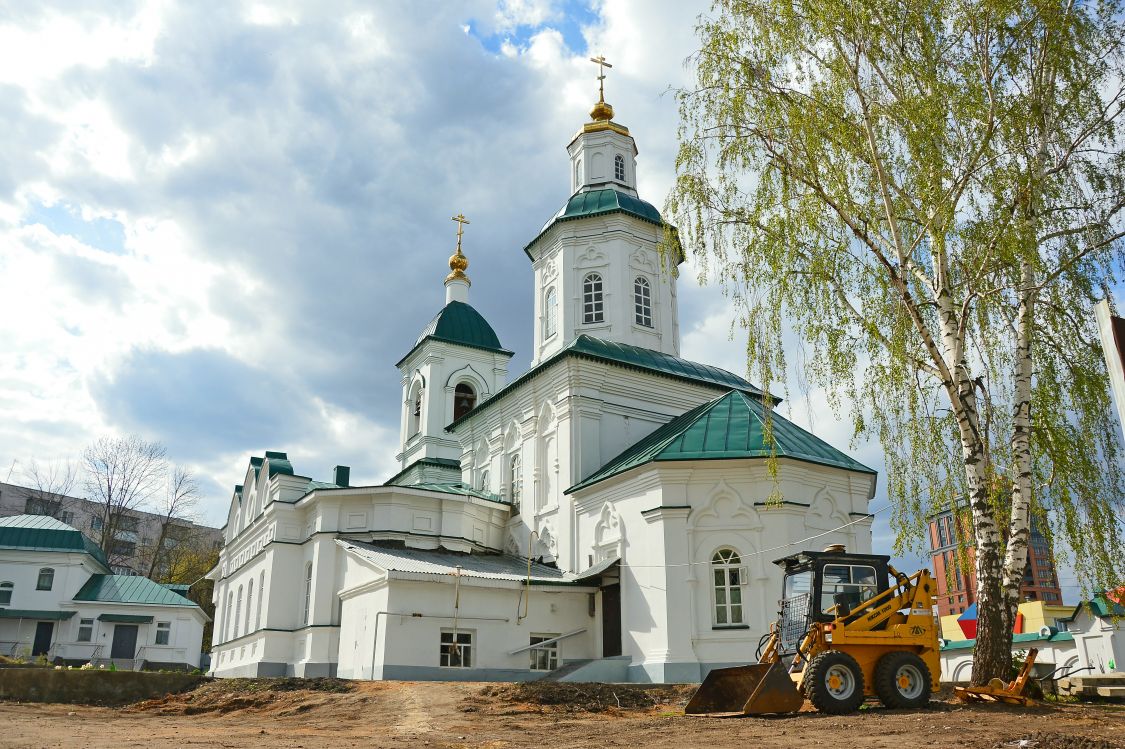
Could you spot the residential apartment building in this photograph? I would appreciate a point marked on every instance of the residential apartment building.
(134, 542)
(955, 568)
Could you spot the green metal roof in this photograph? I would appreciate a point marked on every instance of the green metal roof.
(34, 614)
(128, 589)
(45, 533)
(730, 427)
(437, 462)
(1055, 636)
(630, 357)
(464, 491)
(600, 203)
(459, 323)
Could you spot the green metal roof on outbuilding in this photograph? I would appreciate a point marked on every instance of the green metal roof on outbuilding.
(600, 203)
(730, 427)
(129, 589)
(459, 323)
(45, 533)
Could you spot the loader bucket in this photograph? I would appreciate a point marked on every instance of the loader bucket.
(746, 690)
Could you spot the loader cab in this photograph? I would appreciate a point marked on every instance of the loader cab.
(822, 585)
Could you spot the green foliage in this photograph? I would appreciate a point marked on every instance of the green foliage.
(908, 187)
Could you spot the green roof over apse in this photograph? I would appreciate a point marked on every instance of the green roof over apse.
(730, 427)
(461, 324)
(600, 203)
(45, 533)
(129, 589)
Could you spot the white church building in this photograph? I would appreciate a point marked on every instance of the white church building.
(608, 515)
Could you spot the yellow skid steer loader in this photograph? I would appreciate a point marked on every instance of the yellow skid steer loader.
(850, 627)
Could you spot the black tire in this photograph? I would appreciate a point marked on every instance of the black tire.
(903, 681)
(834, 683)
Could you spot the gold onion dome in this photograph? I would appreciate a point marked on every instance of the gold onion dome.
(458, 263)
(602, 112)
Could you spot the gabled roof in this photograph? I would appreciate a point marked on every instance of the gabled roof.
(600, 203)
(630, 357)
(129, 589)
(485, 566)
(45, 533)
(459, 323)
(730, 427)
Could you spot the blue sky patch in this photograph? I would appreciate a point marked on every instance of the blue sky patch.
(102, 234)
(572, 16)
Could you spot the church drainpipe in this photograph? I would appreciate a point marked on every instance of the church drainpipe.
(416, 615)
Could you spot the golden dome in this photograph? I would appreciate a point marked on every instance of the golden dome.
(602, 112)
(458, 263)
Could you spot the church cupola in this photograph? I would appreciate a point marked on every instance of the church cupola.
(603, 154)
(456, 363)
(599, 267)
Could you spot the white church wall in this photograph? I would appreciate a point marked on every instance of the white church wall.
(420, 611)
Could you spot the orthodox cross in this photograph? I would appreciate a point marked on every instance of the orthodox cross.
(461, 221)
(602, 65)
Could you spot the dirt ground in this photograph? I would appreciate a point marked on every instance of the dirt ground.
(285, 713)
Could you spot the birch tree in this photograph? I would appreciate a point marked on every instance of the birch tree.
(929, 194)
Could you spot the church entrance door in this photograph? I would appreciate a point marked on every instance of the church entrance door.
(611, 620)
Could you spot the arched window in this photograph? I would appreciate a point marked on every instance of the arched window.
(249, 604)
(308, 592)
(593, 306)
(46, 579)
(261, 595)
(577, 174)
(485, 481)
(515, 482)
(550, 307)
(237, 610)
(642, 301)
(6, 593)
(416, 413)
(226, 616)
(727, 576)
(619, 168)
(464, 398)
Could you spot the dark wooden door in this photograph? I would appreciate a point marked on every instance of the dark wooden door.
(611, 620)
(43, 632)
(124, 641)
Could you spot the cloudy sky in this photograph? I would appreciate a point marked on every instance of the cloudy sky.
(222, 223)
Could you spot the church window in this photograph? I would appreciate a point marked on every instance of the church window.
(308, 592)
(485, 481)
(456, 649)
(46, 579)
(642, 301)
(544, 657)
(619, 168)
(237, 610)
(515, 482)
(593, 304)
(226, 616)
(464, 398)
(249, 604)
(550, 308)
(261, 595)
(416, 413)
(6, 594)
(577, 173)
(727, 575)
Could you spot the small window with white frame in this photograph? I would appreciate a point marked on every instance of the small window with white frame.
(619, 168)
(85, 630)
(593, 301)
(163, 633)
(46, 579)
(544, 657)
(727, 572)
(6, 590)
(456, 649)
(642, 301)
